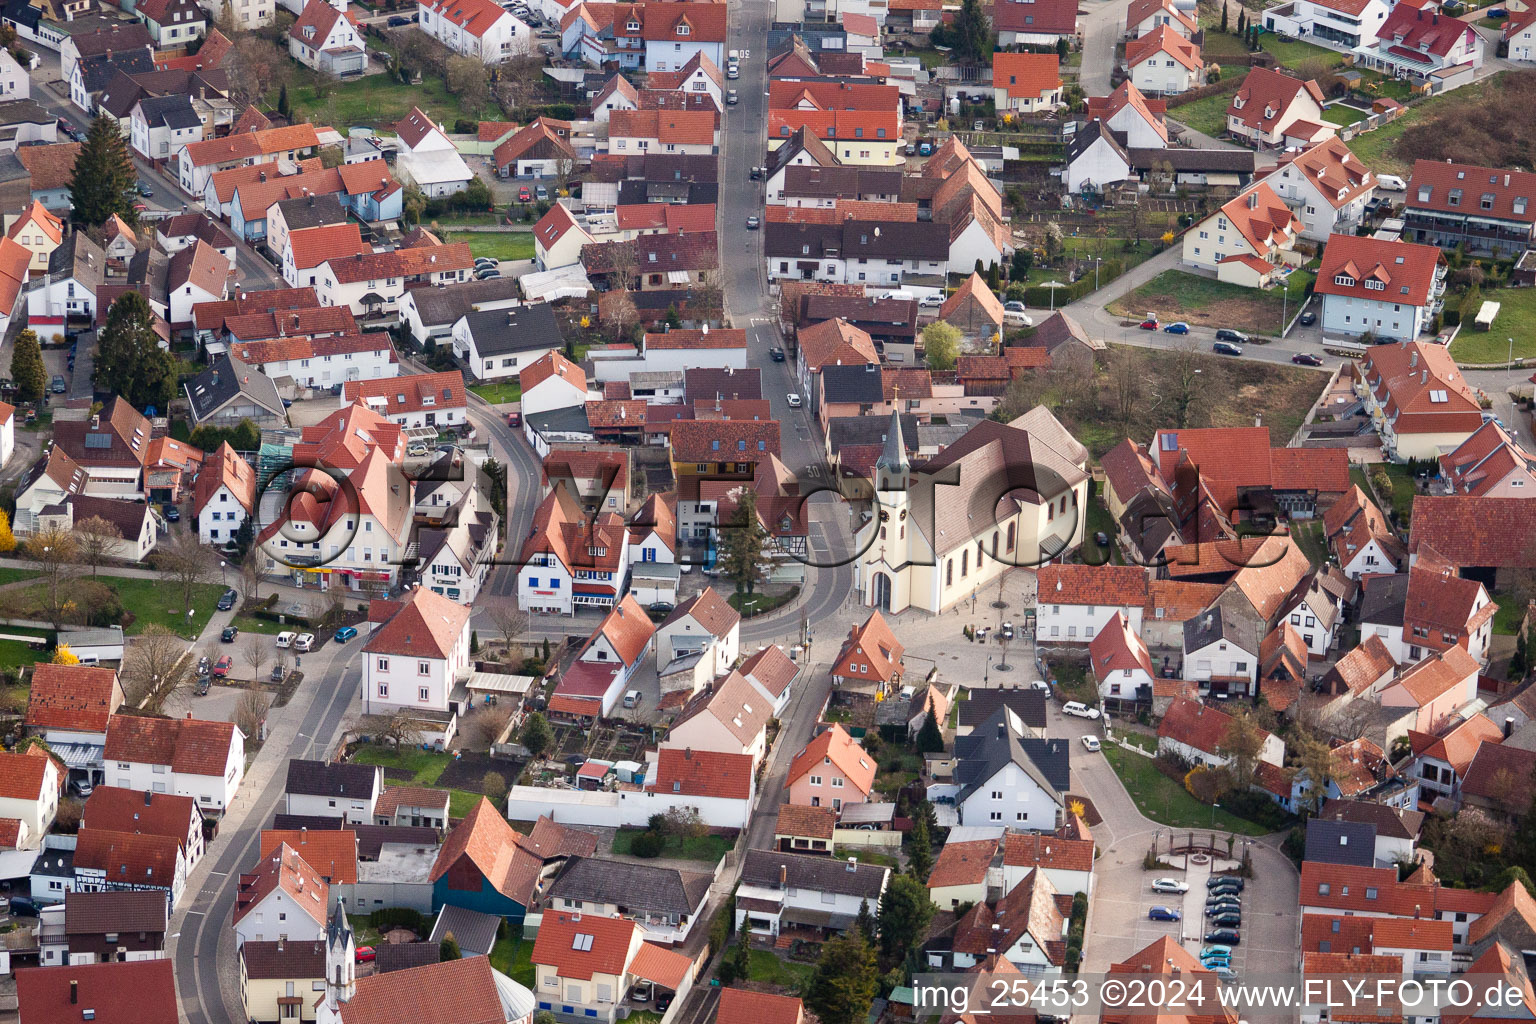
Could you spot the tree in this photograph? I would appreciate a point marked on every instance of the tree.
(413, 204)
(685, 823)
(1023, 259)
(537, 735)
(623, 264)
(62, 655)
(971, 34)
(941, 343)
(153, 667)
(565, 170)
(920, 850)
(1471, 302)
(708, 300)
(489, 722)
(449, 949)
(251, 574)
(905, 910)
(255, 650)
(253, 67)
(187, 562)
(1223, 16)
(1523, 842)
(96, 539)
(742, 549)
(397, 728)
(52, 552)
(250, 711)
(27, 368)
(104, 178)
(7, 538)
(1129, 379)
(129, 359)
(930, 738)
(846, 979)
(494, 786)
(1061, 48)
(1315, 759)
(510, 620)
(286, 109)
(1242, 744)
(736, 965)
(864, 921)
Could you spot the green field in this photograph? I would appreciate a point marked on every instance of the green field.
(1204, 302)
(248, 624)
(1341, 114)
(378, 101)
(514, 958)
(1516, 319)
(1207, 115)
(1301, 56)
(708, 848)
(1165, 801)
(9, 574)
(17, 653)
(426, 765)
(149, 600)
(501, 245)
(768, 967)
(499, 391)
(1309, 538)
(1403, 490)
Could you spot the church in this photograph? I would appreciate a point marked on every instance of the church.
(1003, 495)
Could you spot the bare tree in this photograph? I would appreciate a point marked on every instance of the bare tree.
(1183, 377)
(251, 575)
(155, 664)
(250, 711)
(623, 264)
(519, 83)
(685, 823)
(708, 301)
(397, 728)
(188, 563)
(469, 80)
(256, 650)
(254, 68)
(1129, 382)
(95, 540)
(622, 314)
(335, 609)
(565, 170)
(53, 552)
(510, 620)
(488, 723)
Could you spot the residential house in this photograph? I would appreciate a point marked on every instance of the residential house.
(172, 23)
(1026, 928)
(785, 890)
(1487, 209)
(1065, 857)
(128, 43)
(158, 814)
(76, 268)
(1146, 16)
(1337, 24)
(338, 789)
(325, 39)
(229, 392)
(1418, 399)
(1035, 22)
(501, 343)
(1256, 231)
(590, 687)
(199, 161)
(721, 787)
(284, 898)
(197, 274)
(1434, 688)
(704, 629)
(1328, 188)
(870, 659)
(161, 126)
(663, 131)
(832, 770)
(541, 149)
(131, 529)
(108, 861)
(961, 873)
(269, 969)
(1271, 106)
(1127, 110)
(1221, 649)
(584, 964)
(1489, 463)
(427, 156)
(103, 927)
(30, 784)
(415, 400)
(183, 756)
(1486, 784)
(1006, 777)
(413, 806)
(1197, 733)
(224, 496)
(37, 231)
(1163, 63)
(1519, 35)
(1443, 756)
(1025, 83)
(1076, 602)
(130, 990)
(666, 903)
(416, 656)
(569, 560)
(475, 28)
(431, 313)
(672, 36)
(1122, 665)
(1395, 829)
(69, 707)
(1420, 41)
(485, 866)
(372, 283)
(52, 169)
(1389, 290)
(802, 829)
(1360, 538)
(772, 673)
(558, 239)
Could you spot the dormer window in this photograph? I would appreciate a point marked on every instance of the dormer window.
(1520, 205)
(1455, 197)
(632, 25)
(1344, 281)
(1375, 286)
(1487, 201)
(683, 29)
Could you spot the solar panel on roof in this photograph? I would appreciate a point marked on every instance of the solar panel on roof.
(98, 440)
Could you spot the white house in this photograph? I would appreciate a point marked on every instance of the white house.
(1127, 110)
(199, 161)
(1095, 158)
(68, 288)
(1064, 859)
(1520, 33)
(1268, 106)
(324, 39)
(773, 673)
(224, 494)
(729, 718)
(1018, 782)
(1146, 16)
(427, 156)
(415, 655)
(552, 382)
(1256, 230)
(198, 273)
(557, 239)
(15, 82)
(69, 706)
(334, 789)
(1337, 24)
(501, 343)
(1328, 188)
(160, 126)
(1360, 538)
(675, 33)
(1389, 289)
(1164, 63)
(413, 400)
(374, 283)
(282, 897)
(322, 362)
(1221, 648)
(1076, 602)
(183, 756)
(787, 889)
(591, 687)
(30, 784)
(704, 625)
(1026, 928)
(456, 559)
(1197, 733)
(1122, 665)
(475, 28)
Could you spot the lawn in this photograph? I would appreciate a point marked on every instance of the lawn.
(248, 624)
(757, 603)
(1100, 521)
(1516, 319)
(1207, 115)
(1299, 55)
(707, 848)
(1204, 302)
(378, 101)
(16, 653)
(1165, 801)
(8, 574)
(426, 766)
(1507, 619)
(1309, 538)
(500, 245)
(149, 600)
(1401, 500)
(513, 957)
(766, 966)
(1339, 113)
(869, 855)
(499, 391)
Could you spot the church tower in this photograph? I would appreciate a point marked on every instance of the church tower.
(884, 540)
(892, 470)
(340, 966)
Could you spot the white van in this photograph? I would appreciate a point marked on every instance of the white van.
(285, 639)
(1017, 318)
(632, 699)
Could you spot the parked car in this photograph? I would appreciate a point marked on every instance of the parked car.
(1225, 973)
(524, 195)
(1091, 744)
(345, 633)
(1177, 327)
(641, 992)
(633, 698)
(418, 449)
(776, 354)
(1228, 920)
(1015, 306)
(398, 22)
(1149, 325)
(57, 386)
(930, 302)
(731, 98)
(756, 174)
(144, 190)
(753, 223)
(486, 273)
(514, 419)
(659, 610)
(1307, 359)
(279, 672)
(664, 1001)
(227, 601)
(1216, 951)
(540, 193)
(204, 665)
(22, 906)
(793, 398)
(1227, 334)
(1221, 904)
(486, 261)
(1215, 880)
(1307, 319)
(201, 689)
(1163, 914)
(1079, 710)
(1223, 892)
(304, 641)
(1227, 935)
(172, 515)
(1226, 348)
(84, 787)
(733, 71)
(222, 666)
(285, 639)
(1391, 181)
(1169, 885)
(229, 634)
(365, 954)
(1216, 963)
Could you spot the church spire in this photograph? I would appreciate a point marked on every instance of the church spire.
(892, 465)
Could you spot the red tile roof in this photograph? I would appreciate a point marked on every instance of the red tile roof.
(739, 1006)
(710, 441)
(1043, 17)
(331, 852)
(1026, 75)
(1116, 648)
(1475, 532)
(314, 246)
(492, 847)
(186, 744)
(805, 821)
(703, 773)
(127, 992)
(845, 753)
(1458, 746)
(426, 625)
(1263, 219)
(1266, 96)
(669, 127)
(129, 857)
(473, 16)
(874, 649)
(128, 810)
(408, 392)
(232, 148)
(22, 776)
(1053, 853)
(963, 863)
(1164, 40)
(552, 365)
(464, 990)
(1202, 727)
(72, 697)
(578, 946)
(665, 967)
(1421, 388)
(1377, 269)
(1101, 585)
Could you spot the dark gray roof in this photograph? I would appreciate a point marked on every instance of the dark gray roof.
(443, 306)
(1341, 842)
(858, 239)
(270, 960)
(149, 273)
(98, 72)
(515, 329)
(312, 211)
(705, 383)
(332, 779)
(852, 384)
(369, 837)
(475, 932)
(120, 94)
(861, 310)
(800, 141)
(1228, 161)
(639, 887)
(321, 822)
(818, 874)
(171, 111)
(650, 190)
(1027, 703)
(841, 182)
(97, 913)
(402, 956)
(80, 258)
(12, 169)
(1092, 132)
(119, 38)
(23, 112)
(54, 862)
(227, 378)
(1220, 622)
(868, 430)
(1384, 600)
(1055, 330)
(673, 167)
(1388, 821)
(996, 742)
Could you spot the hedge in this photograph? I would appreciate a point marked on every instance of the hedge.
(1190, 95)
(400, 917)
(1040, 296)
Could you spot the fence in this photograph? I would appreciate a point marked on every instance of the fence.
(1040, 296)
(865, 837)
(1226, 85)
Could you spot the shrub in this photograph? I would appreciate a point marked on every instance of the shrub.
(648, 844)
(387, 918)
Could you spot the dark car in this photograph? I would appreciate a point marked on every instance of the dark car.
(278, 673)
(1231, 919)
(663, 1001)
(21, 906)
(776, 354)
(1163, 914)
(171, 512)
(753, 223)
(1230, 936)
(1308, 319)
(398, 22)
(227, 600)
(57, 386)
(1215, 880)
(1223, 901)
(1307, 359)
(756, 174)
(144, 190)
(659, 610)
(1177, 327)
(1226, 334)
(229, 634)
(1226, 348)
(202, 687)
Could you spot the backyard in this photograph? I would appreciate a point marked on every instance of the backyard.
(1516, 319)
(768, 967)
(514, 958)
(1165, 801)
(18, 653)
(1308, 536)
(377, 101)
(1482, 123)
(498, 392)
(500, 245)
(708, 848)
(1204, 302)
(417, 767)
(148, 600)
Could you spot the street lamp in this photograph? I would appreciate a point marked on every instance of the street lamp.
(190, 634)
(222, 578)
(1511, 364)
(1213, 814)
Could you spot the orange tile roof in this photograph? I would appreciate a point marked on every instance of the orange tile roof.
(409, 392)
(975, 287)
(1101, 585)
(38, 214)
(424, 993)
(835, 343)
(1400, 271)
(426, 625)
(314, 246)
(608, 945)
(331, 852)
(552, 365)
(1164, 40)
(874, 648)
(128, 810)
(1438, 673)
(703, 773)
(963, 863)
(740, 1006)
(1058, 853)
(128, 858)
(188, 745)
(667, 968)
(22, 776)
(232, 148)
(669, 127)
(1459, 746)
(1026, 75)
(473, 16)
(1265, 96)
(283, 869)
(845, 125)
(1515, 901)
(839, 747)
(78, 698)
(1117, 648)
(809, 822)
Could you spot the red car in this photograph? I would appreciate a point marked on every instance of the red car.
(513, 419)
(524, 196)
(222, 666)
(1149, 325)
(365, 954)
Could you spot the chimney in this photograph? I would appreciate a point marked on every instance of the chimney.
(303, 834)
(1509, 726)
(96, 417)
(1002, 730)
(853, 863)
(74, 992)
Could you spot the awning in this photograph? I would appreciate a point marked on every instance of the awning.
(678, 277)
(665, 967)
(78, 755)
(1222, 179)
(815, 918)
(16, 864)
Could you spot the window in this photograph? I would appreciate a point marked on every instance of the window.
(815, 780)
(423, 668)
(423, 693)
(382, 665)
